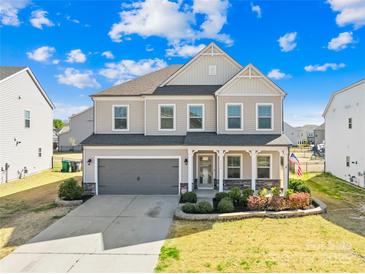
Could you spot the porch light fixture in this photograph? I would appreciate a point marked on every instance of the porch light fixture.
(186, 161)
(89, 161)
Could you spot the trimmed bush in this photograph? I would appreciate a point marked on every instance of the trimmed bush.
(263, 192)
(235, 194)
(256, 203)
(275, 191)
(188, 208)
(188, 197)
(225, 205)
(299, 200)
(203, 207)
(277, 203)
(220, 195)
(247, 192)
(298, 185)
(70, 190)
(288, 192)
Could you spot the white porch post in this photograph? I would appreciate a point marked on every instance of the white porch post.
(220, 165)
(253, 154)
(190, 169)
(285, 170)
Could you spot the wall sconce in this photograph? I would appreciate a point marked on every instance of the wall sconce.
(89, 161)
(17, 142)
(186, 161)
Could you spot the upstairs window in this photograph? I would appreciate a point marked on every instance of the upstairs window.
(234, 116)
(347, 161)
(196, 117)
(350, 123)
(263, 167)
(264, 116)
(233, 167)
(167, 117)
(26, 118)
(120, 117)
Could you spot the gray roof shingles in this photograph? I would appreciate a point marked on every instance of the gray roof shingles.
(6, 71)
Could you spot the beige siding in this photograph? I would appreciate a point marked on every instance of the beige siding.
(81, 126)
(152, 109)
(197, 72)
(249, 113)
(104, 115)
(246, 86)
(18, 94)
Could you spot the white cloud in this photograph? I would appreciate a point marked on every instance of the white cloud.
(287, 41)
(64, 111)
(56, 61)
(184, 50)
(76, 78)
(39, 18)
(341, 41)
(129, 69)
(324, 67)
(108, 54)
(256, 9)
(277, 74)
(76, 56)
(149, 48)
(72, 20)
(42, 54)
(350, 12)
(9, 11)
(153, 18)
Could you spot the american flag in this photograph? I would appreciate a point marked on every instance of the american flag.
(295, 160)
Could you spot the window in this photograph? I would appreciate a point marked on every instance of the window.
(120, 117)
(263, 167)
(264, 116)
(234, 167)
(234, 116)
(350, 123)
(347, 161)
(212, 70)
(40, 152)
(167, 117)
(27, 118)
(196, 117)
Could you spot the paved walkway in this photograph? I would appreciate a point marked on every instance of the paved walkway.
(106, 234)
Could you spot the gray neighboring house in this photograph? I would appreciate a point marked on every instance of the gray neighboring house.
(26, 124)
(300, 135)
(79, 127)
(208, 124)
(319, 134)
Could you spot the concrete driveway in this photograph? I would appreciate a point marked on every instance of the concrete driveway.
(106, 234)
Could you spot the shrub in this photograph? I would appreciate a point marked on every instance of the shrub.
(235, 194)
(203, 207)
(247, 192)
(188, 208)
(298, 185)
(220, 195)
(70, 190)
(275, 191)
(225, 205)
(277, 203)
(188, 197)
(256, 203)
(299, 200)
(288, 192)
(263, 192)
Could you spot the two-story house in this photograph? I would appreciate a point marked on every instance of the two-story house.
(208, 124)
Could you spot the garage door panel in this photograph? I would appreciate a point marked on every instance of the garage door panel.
(138, 176)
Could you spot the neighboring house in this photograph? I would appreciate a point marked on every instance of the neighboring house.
(345, 133)
(80, 126)
(26, 124)
(319, 134)
(208, 124)
(300, 135)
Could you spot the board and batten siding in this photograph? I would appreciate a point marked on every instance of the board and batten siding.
(18, 94)
(249, 113)
(152, 108)
(104, 115)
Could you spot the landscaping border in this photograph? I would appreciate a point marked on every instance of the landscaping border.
(319, 209)
(60, 202)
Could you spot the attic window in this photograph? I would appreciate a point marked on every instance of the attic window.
(212, 70)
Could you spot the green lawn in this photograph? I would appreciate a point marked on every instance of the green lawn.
(322, 243)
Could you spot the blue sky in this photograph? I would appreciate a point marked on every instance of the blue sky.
(76, 48)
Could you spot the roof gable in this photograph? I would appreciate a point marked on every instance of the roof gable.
(250, 81)
(195, 72)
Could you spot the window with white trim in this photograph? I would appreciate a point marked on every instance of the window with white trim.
(120, 117)
(263, 167)
(196, 117)
(27, 118)
(233, 166)
(167, 117)
(264, 116)
(234, 116)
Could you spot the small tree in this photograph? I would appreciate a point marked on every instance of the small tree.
(58, 123)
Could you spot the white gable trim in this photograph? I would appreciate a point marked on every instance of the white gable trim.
(212, 45)
(249, 68)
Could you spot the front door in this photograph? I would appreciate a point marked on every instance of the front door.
(205, 171)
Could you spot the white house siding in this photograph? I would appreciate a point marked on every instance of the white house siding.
(342, 141)
(17, 94)
(80, 127)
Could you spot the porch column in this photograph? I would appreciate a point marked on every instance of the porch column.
(221, 170)
(253, 154)
(285, 170)
(190, 169)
